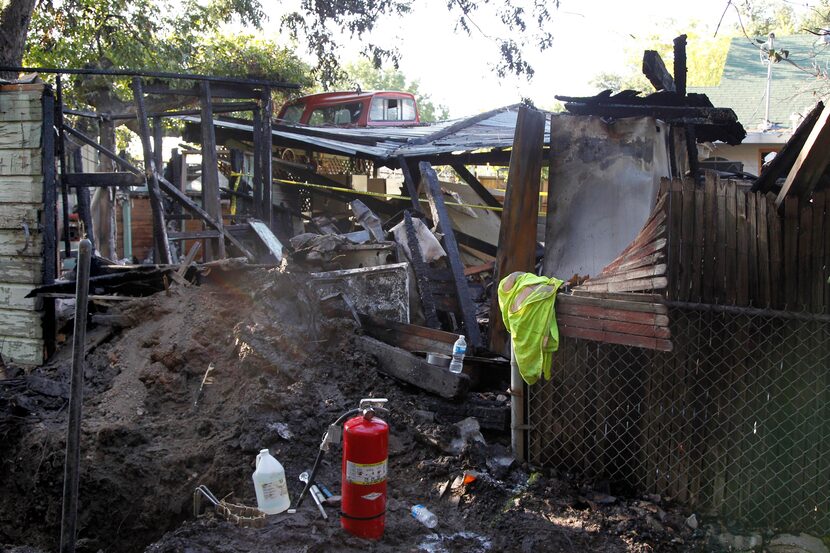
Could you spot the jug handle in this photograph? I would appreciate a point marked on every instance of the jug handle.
(258, 457)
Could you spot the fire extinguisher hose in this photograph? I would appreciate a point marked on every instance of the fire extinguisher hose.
(320, 453)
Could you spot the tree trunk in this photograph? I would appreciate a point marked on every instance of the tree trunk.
(15, 16)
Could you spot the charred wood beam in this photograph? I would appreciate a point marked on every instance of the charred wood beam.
(421, 270)
(811, 164)
(82, 193)
(98, 180)
(439, 212)
(227, 107)
(50, 222)
(218, 90)
(680, 65)
(162, 248)
(479, 188)
(410, 183)
(154, 74)
(517, 234)
(62, 162)
(210, 173)
(655, 71)
(264, 143)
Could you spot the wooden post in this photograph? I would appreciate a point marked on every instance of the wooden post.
(439, 213)
(62, 160)
(265, 144)
(50, 221)
(680, 65)
(517, 236)
(157, 138)
(210, 173)
(106, 205)
(162, 249)
(257, 133)
(238, 204)
(82, 193)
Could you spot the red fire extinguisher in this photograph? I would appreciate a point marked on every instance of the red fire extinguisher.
(365, 462)
(365, 457)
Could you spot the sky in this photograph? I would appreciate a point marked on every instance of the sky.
(590, 37)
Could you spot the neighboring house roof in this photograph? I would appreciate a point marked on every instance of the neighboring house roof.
(794, 89)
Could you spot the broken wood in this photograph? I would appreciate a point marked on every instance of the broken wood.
(680, 65)
(408, 336)
(411, 369)
(655, 71)
(517, 235)
(439, 212)
(267, 237)
(421, 270)
(784, 160)
(811, 163)
(411, 184)
(191, 255)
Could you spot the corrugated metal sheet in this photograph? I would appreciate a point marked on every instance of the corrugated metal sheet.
(493, 129)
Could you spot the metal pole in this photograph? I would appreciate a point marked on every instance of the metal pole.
(517, 409)
(72, 463)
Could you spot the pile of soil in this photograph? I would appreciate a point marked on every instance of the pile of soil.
(280, 374)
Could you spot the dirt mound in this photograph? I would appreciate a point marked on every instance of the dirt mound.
(280, 374)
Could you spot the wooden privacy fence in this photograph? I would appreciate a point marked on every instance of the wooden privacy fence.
(735, 421)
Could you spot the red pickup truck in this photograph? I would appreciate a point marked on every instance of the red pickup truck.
(352, 109)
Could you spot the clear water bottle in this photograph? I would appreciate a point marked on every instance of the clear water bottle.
(458, 351)
(424, 516)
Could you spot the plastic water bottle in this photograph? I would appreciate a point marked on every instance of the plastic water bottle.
(425, 516)
(458, 351)
(269, 484)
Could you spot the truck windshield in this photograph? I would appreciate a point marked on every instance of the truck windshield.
(293, 113)
(343, 114)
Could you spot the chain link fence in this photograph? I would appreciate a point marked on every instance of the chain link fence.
(735, 422)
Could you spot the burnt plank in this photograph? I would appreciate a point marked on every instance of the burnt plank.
(655, 71)
(413, 370)
(764, 269)
(649, 303)
(517, 234)
(421, 270)
(791, 253)
(731, 235)
(621, 327)
(680, 65)
(97, 180)
(720, 243)
(776, 254)
(817, 273)
(742, 282)
(436, 201)
(411, 184)
(709, 268)
(810, 164)
(687, 236)
(408, 336)
(752, 246)
(161, 249)
(698, 242)
(805, 249)
(639, 317)
(616, 338)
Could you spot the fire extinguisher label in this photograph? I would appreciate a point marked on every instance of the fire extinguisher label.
(365, 475)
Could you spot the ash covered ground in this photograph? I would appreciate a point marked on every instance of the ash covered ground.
(278, 365)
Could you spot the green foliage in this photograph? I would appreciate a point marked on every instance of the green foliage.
(364, 74)
(155, 35)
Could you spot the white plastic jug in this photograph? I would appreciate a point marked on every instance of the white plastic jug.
(269, 484)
